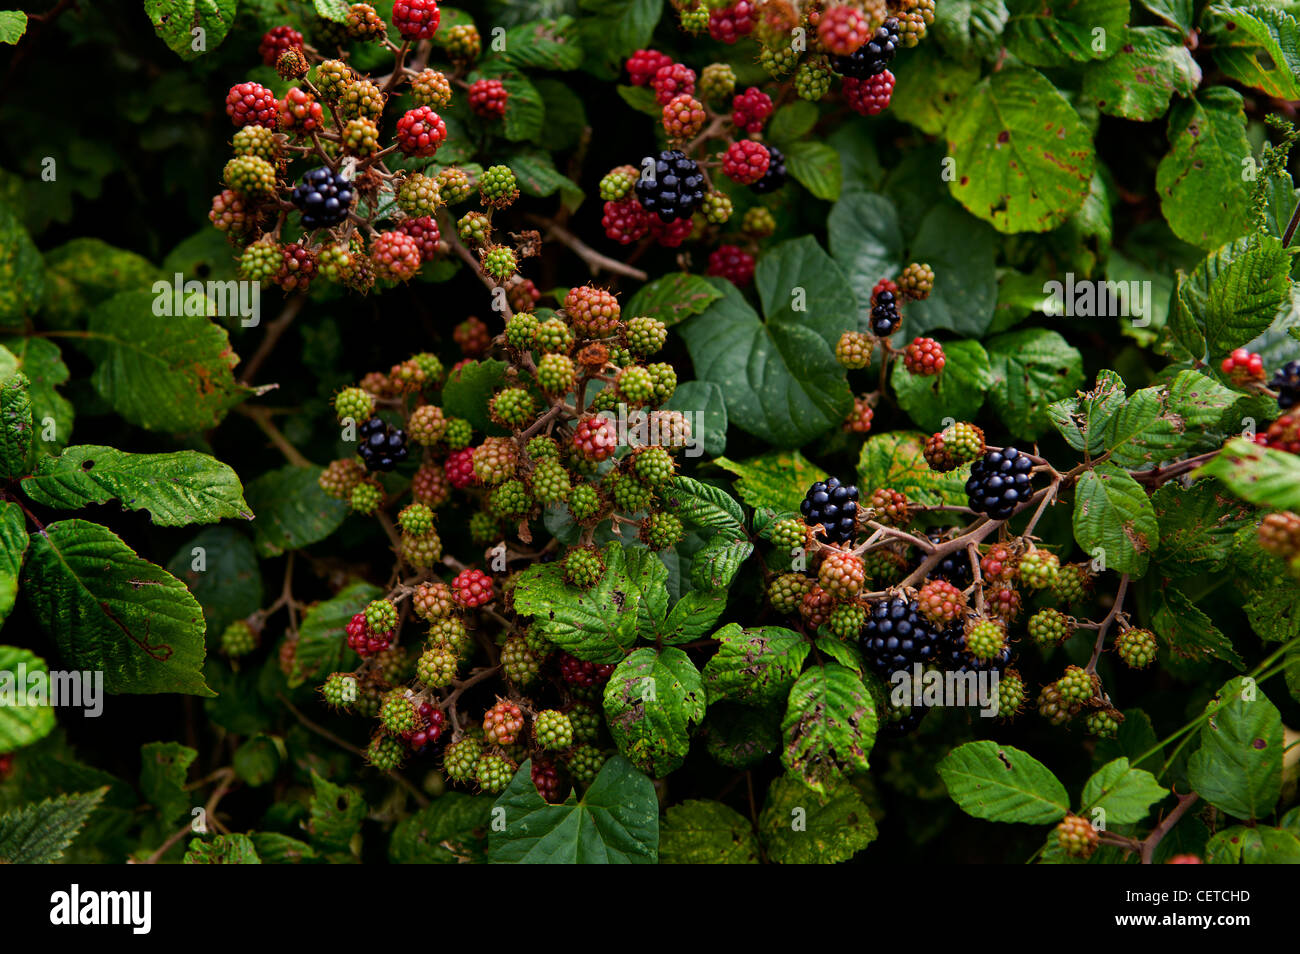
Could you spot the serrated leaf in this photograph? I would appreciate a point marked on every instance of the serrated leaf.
(1004, 784)
(1236, 293)
(716, 564)
(1178, 13)
(777, 479)
(25, 717)
(1261, 475)
(834, 824)
(1112, 513)
(615, 822)
(182, 24)
(1188, 632)
(449, 830)
(538, 176)
(1240, 845)
(232, 849)
(22, 272)
(543, 45)
(525, 111)
(896, 460)
(322, 638)
(277, 849)
(164, 767)
(177, 489)
(1031, 369)
(1082, 421)
(702, 832)
(653, 700)
(829, 726)
(928, 87)
(1065, 31)
(673, 298)
(1164, 422)
(754, 666)
(864, 236)
(292, 510)
(957, 392)
(1238, 767)
(15, 427)
(1149, 67)
(466, 392)
(1255, 44)
(705, 506)
(337, 813)
(961, 251)
(1197, 526)
(42, 362)
(1024, 159)
(971, 29)
(336, 10)
(739, 737)
(39, 834)
(110, 610)
(13, 24)
(13, 547)
(1126, 794)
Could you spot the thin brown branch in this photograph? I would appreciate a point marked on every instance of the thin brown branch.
(1152, 840)
(594, 260)
(261, 416)
(274, 331)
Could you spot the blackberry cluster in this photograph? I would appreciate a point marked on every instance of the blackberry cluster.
(834, 505)
(885, 318)
(382, 446)
(873, 56)
(999, 482)
(675, 189)
(776, 173)
(901, 722)
(896, 635)
(1287, 384)
(323, 197)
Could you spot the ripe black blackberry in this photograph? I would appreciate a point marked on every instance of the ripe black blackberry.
(954, 658)
(955, 567)
(323, 197)
(872, 57)
(834, 505)
(776, 174)
(999, 482)
(675, 190)
(381, 446)
(899, 723)
(885, 318)
(896, 635)
(1287, 384)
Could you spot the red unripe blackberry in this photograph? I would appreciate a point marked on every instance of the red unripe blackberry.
(420, 132)
(924, 356)
(644, 64)
(275, 41)
(487, 98)
(841, 575)
(593, 312)
(842, 29)
(816, 606)
(252, 104)
(1002, 601)
(416, 19)
(732, 263)
(891, 506)
(728, 24)
(675, 79)
(625, 221)
(363, 640)
(595, 438)
(751, 109)
(998, 564)
(1279, 534)
(746, 161)
(472, 588)
(869, 96)
(860, 418)
(683, 116)
(1283, 434)
(396, 256)
(459, 468)
(546, 779)
(941, 602)
(300, 113)
(502, 723)
(1077, 837)
(582, 673)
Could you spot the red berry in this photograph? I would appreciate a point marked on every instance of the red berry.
(595, 438)
(871, 95)
(671, 81)
(750, 109)
(1241, 366)
(425, 232)
(746, 161)
(472, 336)
(884, 285)
(580, 672)
(300, 112)
(276, 41)
(733, 264)
(416, 19)
(363, 640)
(731, 23)
(472, 588)
(644, 64)
(546, 779)
(252, 104)
(298, 267)
(924, 356)
(420, 132)
(843, 29)
(625, 221)
(1283, 434)
(460, 468)
(487, 97)
(859, 419)
(670, 234)
(396, 256)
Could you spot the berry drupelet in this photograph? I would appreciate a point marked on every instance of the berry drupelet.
(324, 198)
(999, 482)
(896, 635)
(381, 447)
(675, 190)
(1287, 384)
(873, 56)
(776, 173)
(834, 505)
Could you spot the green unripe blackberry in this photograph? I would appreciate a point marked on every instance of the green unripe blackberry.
(661, 531)
(758, 223)
(500, 262)
(584, 502)
(665, 379)
(618, 183)
(1038, 568)
(426, 425)
(1137, 647)
(474, 228)
(437, 666)
(786, 534)
(511, 499)
(717, 81)
(538, 643)
(340, 689)
(585, 763)
(381, 616)
(386, 753)
(717, 207)
(787, 591)
(484, 527)
(583, 567)
(552, 730)
(398, 714)
(550, 482)
(1011, 694)
(916, 281)
(354, 403)
(654, 465)
(462, 42)
(493, 773)
(418, 195)
(606, 400)
(542, 447)
(422, 550)
(432, 601)
(256, 141)
(416, 519)
(586, 724)
(519, 663)
(781, 61)
(629, 494)
(250, 176)
(1052, 707)
(1077, 837)
(453, 185)
(458, 433)
(1075, 686)
(394, 664)
(513, 407)
(261, 261)
(495, 460)
(332, 77)
(451, 630)
(883, 567)
(430, 367)
(497, 187)
(519, 330)
(553, 336)
(846, 621)
(334, 263)
(340, 476)
(853, 350)
(812, 80)
(459, 759)
(361, 98)
(645, 335)
(1049, 627)
(985, 639)
(1071, 583)
(694, 19)
(1103, 723)
(366, 497)
(238, 639)
(431, 88)
(555, 374)
(361, 136)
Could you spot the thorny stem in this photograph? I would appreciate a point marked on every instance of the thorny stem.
(1106, 623)
(1150, 842)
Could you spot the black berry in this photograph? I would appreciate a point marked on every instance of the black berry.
(885, 318)
(834, 505)
(323, 197)
(381, 446)
(955, 567)
(954, 658)
(675, 190)
(896, 635)
(1287, 384)
(999, 482)
(776, 174)
(872, 57)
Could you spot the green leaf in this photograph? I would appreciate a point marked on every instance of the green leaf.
(322, 639)
(176, 23)
(865, 238)
(232, 849)
(739, 737)
(15, 427)
(1238, 768)
(754, 666)
(468, 389)
(1255, 44)
(1234, 295)
(177, 489)
(956, 392)
(717, 562)
(929, 86)
(22, 273)
(1197, 526)
(13, 24)
(705, 506)
(164, 768)
(1031, 369)
(779, 377)
(791, 122)
(1202, 194)
(161, 373)
(543, 45)
(615, 822)
(1188, 631)
(1001, 783)
(1023, 158)
(1261, 475)
(277, 849)
(816, 167)
(1178, 13)
(961, 250)
(1126, 794)
(1240, 845)
(449, 830)
(652, 702)
(538, 176)
(525, 111)
(777, 479)
(673, 298)
(83, 272)
(1150, 66)
(971, 29)
(1082, 421)
(801, 826)
(1065, 31)
(110, 610)
(292, 510)
(337, 10)
(25, 716)
(13, 547)
(640, 98)
(39, 834)
(42, 362)
(1113, 513)
(219, 566)
(257, 761)
(897, 460)
(829, 726)
(709, 428)
(1161, 423)
(703, 832)
(337, 813)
